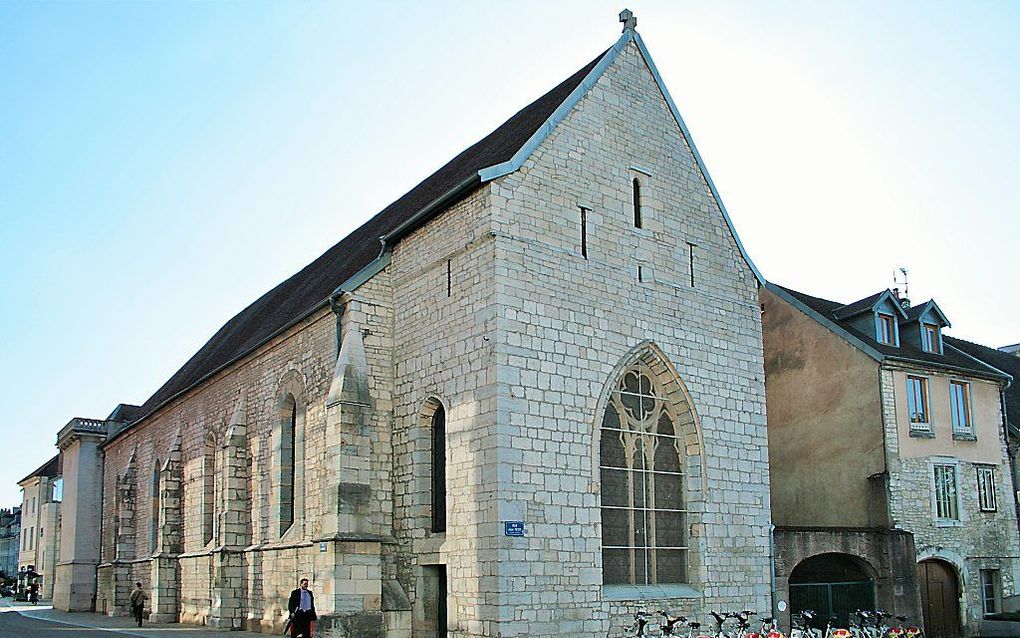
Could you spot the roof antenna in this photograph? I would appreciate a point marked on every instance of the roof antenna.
(628, 20)
(900, 277)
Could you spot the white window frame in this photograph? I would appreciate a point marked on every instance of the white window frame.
(943, 521)
(968, 413)
(986, 486)
(926, 425)
(995, 584)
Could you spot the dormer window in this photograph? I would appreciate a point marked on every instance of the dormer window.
(886, 329)
(931, 340)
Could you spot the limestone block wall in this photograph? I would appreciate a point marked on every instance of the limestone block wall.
(980, 540)
(196, 588)
(565, 325)
(443, 292)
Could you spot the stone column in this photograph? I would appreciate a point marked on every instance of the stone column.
(169, 538)
(233, 531)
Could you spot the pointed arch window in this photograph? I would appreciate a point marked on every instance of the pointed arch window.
(644, 513)
(438, 474)
(288, 458)
(208, 489)
(154, 523)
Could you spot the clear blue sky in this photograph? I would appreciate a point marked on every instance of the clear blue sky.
(163, 164)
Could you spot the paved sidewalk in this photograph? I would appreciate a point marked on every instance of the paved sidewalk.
(121, 625)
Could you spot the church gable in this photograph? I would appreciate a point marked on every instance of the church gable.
(625, 94)
(618, 177)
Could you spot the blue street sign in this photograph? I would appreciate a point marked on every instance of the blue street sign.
(513, 528)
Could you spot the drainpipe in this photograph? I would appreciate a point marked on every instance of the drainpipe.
(772, 575)
(336, 304)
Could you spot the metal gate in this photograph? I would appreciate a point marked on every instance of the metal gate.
(832, 599)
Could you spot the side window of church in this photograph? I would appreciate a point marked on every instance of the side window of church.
(438, 470)
(642, 475)
(288, 452)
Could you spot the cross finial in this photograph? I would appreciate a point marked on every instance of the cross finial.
(628, 19)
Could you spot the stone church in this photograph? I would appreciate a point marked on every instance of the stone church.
(524, 399)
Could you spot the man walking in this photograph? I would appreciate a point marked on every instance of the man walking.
(137, 601)
(302, 611)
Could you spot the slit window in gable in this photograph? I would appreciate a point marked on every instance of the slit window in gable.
(637, 203)
(584, 232)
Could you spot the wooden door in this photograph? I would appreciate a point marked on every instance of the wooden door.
(940, 598)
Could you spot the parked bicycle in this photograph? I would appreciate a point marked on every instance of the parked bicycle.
(640, 621)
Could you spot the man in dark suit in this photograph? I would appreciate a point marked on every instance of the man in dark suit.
(302, 611)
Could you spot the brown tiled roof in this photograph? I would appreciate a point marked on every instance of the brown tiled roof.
(309, 289)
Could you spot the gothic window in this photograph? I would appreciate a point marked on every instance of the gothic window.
(154, 524)
(438, 470)
(208, 488)
(644, 513)
(288, 458)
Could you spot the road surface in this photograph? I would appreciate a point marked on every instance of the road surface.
(14, 625)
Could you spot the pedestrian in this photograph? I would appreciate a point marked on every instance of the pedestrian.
(137, 601)
(302, 611)
(33, 592)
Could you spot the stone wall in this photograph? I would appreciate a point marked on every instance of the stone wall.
(979, 540)
(888, 554)
(566, 326)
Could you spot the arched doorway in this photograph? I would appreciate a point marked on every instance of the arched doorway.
(832, 585)
(940, 598)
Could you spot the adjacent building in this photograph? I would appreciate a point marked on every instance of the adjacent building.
(891, 482)
(1006, 360)
(40, 512)
(10, 542)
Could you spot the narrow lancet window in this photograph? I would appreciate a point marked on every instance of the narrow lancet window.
(208, 488)
(439, 470)
(637, 203)
(584, 232)
(690, 250)
(288, 450)
(154, 524)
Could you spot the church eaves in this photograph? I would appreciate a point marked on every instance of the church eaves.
(359, 255)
